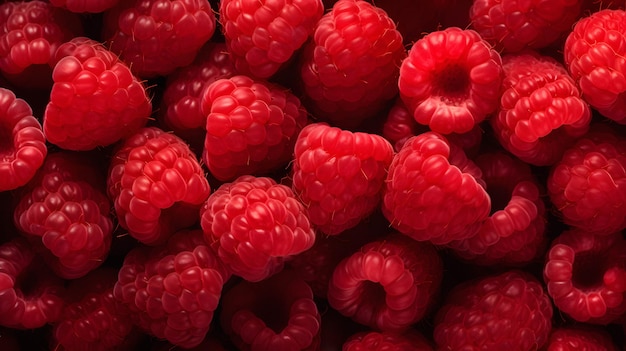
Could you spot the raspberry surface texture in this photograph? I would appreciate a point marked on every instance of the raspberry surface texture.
(379, 341)
(80, 6)
(570, 338)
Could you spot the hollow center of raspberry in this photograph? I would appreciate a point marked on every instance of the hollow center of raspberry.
(452, 84)
(500, 195)
(374, 293)
(274, 313)
(588, 271)
(6, 143)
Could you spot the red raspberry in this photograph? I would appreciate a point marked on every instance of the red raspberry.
(154, 37)
(255, 225)
(580, 338)
(251, 127)
(22, 143)
(31, 295)
(433, 192)
(451, 80)
(376, 341)
(509, 311)
(81, 6)
(156, 184)
(349, 70)
(389, 284)
(586, 275)
(263, 35)
(172, 290)
(339, 175)
(278, 313)
(95, 100)
(541, 111)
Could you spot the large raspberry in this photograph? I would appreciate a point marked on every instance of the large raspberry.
(575, 338)
(80, 6)
(338, 175)
(376, 341)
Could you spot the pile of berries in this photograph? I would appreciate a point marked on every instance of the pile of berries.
(313, 175)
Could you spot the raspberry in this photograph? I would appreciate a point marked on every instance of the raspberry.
(451, 80)
(22, 143)
(579, 338)
(172, 290)
(389, 284)
(255, 225)
(263, 35)
(95, 100)
(433, 192)
(155, 37)
(498, 312)
(251, 127)
(541, 111)
(586, 275)
(278, 313)
(156, 184)
(81, 6)
(375, 341)
(349, 70)
(339, 175)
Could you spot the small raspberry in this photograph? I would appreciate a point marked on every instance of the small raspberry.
(81, 6)
(255, 225)
(376, 341)
(251, 127)
(580, 338)
(451, 80)
(157, 185)
(338, 175)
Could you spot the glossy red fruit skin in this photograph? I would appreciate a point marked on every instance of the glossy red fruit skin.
(383, 341)
(85, 6)
(572, 338)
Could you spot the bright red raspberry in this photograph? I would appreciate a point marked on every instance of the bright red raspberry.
(586, 275)
(338, 175)
(389, 284)
(22, 143)
(434, 192)
(255, 225)
(349, 69)
(509, 311)
(451, 80)
(154, 37)
(263, 35)
(251, 127)
(278, 313)
(81, 6)
(384, 341)
(157, 185)
(172, 290)
(575, 338)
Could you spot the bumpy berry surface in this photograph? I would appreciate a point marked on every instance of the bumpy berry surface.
(382, 341)
(92, 6)
(571, 338)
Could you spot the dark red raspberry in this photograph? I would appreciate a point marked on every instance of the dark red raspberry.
(575, 338)
(80, 6)
(172, 290)
(154, 37)
(31, 296)
(377, 341)
(451, 80)
(433, 192)
(255, 224)
(22, 143)
(263, 35)
(349, 70)
(251, 127)
(157, 185)
(338, 175)
(586, 276)
(278, 313)
(509, 311)
(389, 284)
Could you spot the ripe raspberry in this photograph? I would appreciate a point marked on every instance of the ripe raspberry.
(255, 225)
(156, 184)
(31, 295)
(173, 289)
(349, 70)
(451, 80)
(81, 6)
(500, 312)
(433, 192)
(389, 284)
(155, 37)
(251, 127)
(278, 313)
(338, 175)
(263, 35)
(22, 143)
(580, 338)
(376, 341)
(586, 275)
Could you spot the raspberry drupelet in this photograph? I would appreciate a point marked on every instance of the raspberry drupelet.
(383, 341)
(574, 338)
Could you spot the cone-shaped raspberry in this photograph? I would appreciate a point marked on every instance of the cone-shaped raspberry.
(81, 6)
(433, 192)
(157, 185)
(263, 35)
(389, 284)
(586, 276)
(376, 341)
(276, 314)
(574, 338)
(451, 80)
(255, 224)
(509, 311)
(338, 175)
(251, 127)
